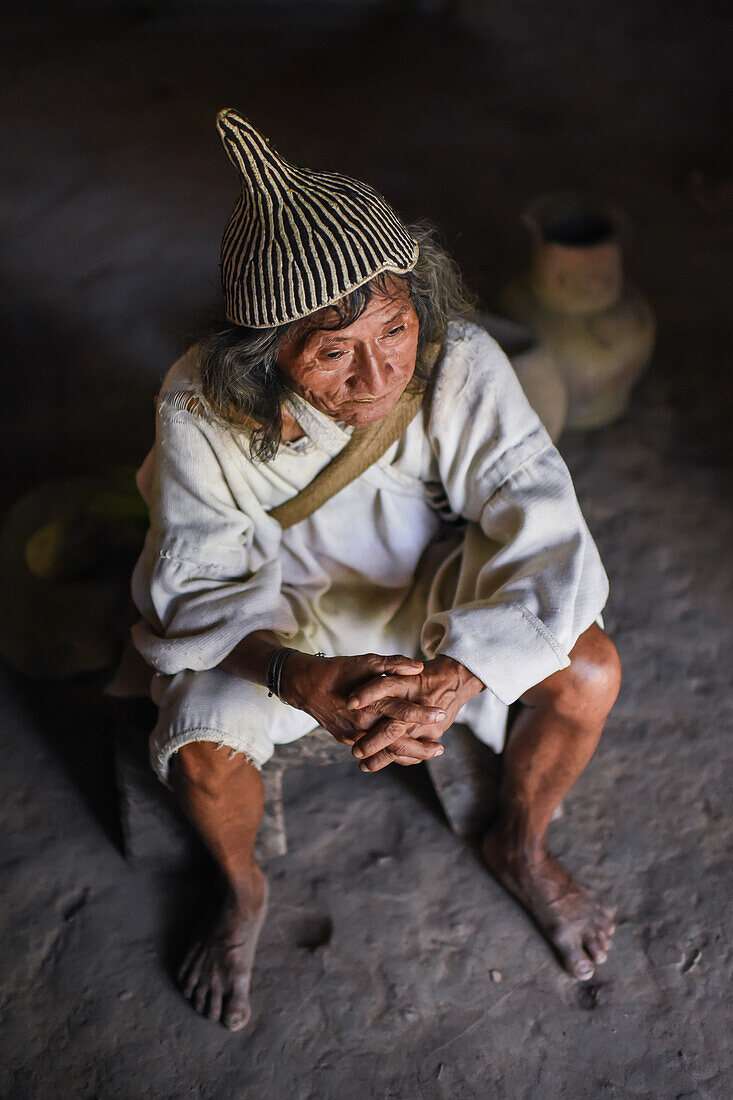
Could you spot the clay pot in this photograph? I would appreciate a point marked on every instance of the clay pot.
(598, 327)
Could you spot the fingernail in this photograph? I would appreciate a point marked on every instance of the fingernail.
(351, 705)
(357, 751)
(363, 768)
(439, 751)
(439, 716)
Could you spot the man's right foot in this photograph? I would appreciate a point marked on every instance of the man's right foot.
(216, 972)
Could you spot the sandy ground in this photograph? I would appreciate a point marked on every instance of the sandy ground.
(391, 966)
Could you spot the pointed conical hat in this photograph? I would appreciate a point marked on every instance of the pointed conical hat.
(299, 240)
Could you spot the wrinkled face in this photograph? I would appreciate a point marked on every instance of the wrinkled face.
(357, 374)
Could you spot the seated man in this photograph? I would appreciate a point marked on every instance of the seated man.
(351, 468)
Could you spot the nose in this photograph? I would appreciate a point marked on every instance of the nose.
(372, 375)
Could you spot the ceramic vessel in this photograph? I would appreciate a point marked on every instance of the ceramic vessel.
(575, 299)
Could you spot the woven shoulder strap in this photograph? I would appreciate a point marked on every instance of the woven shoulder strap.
(365, 447)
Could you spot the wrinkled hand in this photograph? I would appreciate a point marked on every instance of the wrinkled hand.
(322, 686)
(443, 685)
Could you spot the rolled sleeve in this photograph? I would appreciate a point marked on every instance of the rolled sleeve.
(530, 579)
(195, 584)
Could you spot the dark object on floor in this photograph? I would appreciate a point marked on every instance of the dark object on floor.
(67, 549)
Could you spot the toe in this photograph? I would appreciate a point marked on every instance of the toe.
(190, 980)
(189, 961)
(235, 1021)
(581, 967)
(576, 961)
(603, 938)
(236, 1015)
(595, 947)
(215, 1001)
(200, 997)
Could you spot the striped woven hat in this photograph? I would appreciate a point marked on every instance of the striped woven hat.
(299, 240)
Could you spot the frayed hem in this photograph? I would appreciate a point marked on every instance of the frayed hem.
(238, 752)
(160, 758)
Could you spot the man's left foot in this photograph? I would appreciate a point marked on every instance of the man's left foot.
(576, 925)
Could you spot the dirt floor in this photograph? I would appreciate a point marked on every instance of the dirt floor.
(391, 966)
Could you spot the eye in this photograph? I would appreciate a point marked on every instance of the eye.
(333, 354)
(396, 330)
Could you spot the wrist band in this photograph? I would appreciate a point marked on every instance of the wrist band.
(275, 670)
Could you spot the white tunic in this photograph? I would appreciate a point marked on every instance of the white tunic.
(465, 538)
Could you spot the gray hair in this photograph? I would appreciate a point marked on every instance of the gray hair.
(240, 377)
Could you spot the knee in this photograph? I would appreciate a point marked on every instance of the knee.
(206, 766)
(587, 690)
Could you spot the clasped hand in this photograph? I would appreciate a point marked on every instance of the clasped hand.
(391, 710)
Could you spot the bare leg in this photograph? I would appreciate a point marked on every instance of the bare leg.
(223, 798)
(550, 745)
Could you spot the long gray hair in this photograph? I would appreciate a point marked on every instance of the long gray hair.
(240, 377)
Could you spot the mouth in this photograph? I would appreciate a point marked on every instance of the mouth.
(371, 400)
(379, 403)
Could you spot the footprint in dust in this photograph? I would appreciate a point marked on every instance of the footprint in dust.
(375, 857)
(73, 903)
(588, 995)
(315, 932)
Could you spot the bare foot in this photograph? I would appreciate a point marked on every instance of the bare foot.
(576, 925)
(215, 975)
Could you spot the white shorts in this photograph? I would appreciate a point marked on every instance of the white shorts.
(214, 706)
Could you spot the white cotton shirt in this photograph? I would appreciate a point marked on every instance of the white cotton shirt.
(465, 538)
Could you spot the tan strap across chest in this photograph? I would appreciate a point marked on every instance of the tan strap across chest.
(365, 447)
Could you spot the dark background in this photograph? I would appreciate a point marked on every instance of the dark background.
(115, 191)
